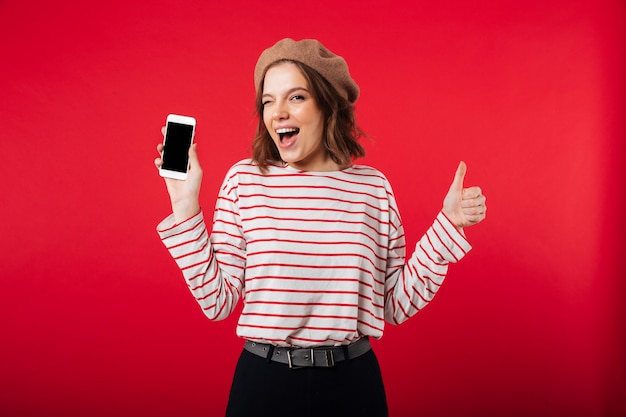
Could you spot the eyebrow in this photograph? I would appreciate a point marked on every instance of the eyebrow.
(291, 90)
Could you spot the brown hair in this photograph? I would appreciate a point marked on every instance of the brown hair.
(341, 131)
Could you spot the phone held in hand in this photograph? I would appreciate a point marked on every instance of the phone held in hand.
(179, 133)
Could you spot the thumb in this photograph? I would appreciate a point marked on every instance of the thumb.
(193, 153)
(193, 156)
(459, 176)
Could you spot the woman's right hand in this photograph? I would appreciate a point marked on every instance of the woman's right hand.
(184, 194)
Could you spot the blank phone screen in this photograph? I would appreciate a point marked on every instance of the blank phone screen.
(176, 149)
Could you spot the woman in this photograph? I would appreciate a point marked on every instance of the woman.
(313, 244)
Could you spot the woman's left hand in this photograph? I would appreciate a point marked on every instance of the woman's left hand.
(464, 206)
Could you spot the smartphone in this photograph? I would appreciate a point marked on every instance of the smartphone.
(179, 132)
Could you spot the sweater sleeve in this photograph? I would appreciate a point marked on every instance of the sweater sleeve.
(212, 266)
(411, 284)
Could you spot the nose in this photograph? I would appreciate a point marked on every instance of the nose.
(280, 113)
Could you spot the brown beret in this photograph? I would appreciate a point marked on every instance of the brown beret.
(312, 53)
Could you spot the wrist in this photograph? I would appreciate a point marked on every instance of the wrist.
(185, 209)
(453, 222)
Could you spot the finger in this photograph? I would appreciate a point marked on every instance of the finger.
(474, 202)
(474, 206)
(193, 157)
(477, 217)
(459, 176)
(158, 161)
(474, 211)
(163, 130)
(471, 192)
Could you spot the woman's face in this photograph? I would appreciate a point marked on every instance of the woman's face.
(294, 120)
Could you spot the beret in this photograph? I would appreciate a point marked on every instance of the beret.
(313, 54)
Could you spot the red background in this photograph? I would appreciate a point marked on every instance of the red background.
(95, 318)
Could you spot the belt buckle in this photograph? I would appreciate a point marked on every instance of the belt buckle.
(328, 355)
(310, 357)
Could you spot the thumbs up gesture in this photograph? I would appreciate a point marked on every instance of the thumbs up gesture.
(464, 206)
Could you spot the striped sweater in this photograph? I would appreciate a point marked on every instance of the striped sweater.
(319, 258)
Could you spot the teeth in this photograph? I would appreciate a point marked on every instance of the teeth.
(287, 130)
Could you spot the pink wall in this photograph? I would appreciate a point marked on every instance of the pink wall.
(95, 318)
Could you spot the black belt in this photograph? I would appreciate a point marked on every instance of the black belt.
(324, 356)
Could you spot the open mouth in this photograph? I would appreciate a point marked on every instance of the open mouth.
(287, 132)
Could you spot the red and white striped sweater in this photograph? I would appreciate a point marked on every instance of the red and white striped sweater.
(318, 257)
